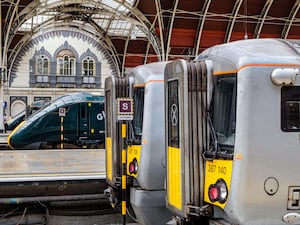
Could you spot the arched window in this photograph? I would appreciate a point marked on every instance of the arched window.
(42, 65)
(88, 67)
(66, 63)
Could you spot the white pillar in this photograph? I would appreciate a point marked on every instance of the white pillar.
(1, 75)
(1, 112)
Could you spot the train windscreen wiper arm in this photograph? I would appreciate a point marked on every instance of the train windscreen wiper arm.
(213, 132)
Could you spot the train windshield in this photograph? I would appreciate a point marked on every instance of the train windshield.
(138, 111)
(223, 110)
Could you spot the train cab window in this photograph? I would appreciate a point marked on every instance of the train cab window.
(290, 109)
(223, 110)
(138, 111)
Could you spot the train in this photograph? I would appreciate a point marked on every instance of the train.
(230, 132)
(12, 123)
(75, 120)
(146, 165)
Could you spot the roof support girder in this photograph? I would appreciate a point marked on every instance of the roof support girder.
(12, 12)
(262, 18)
(133, 15)
(170, 28)
(161, 28)
(200, 26)
(232, 20)
(291, 17)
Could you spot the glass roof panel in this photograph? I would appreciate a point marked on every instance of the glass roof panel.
(103, 23)
(119, 28)
(117, 4)
(35, 21)
(110, 20)
(112, 4)
(120, 24)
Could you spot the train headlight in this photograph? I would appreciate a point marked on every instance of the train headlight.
(218, 191)
(133, 166)
(284, 76)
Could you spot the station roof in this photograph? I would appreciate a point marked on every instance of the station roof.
(136, 32)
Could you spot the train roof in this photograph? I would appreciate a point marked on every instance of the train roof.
(65, 100)
(254, 51)
(78, 96)
(148, 72)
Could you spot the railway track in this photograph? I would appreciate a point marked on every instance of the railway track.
(96, 212)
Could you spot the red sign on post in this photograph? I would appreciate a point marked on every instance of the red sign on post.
(125, 109)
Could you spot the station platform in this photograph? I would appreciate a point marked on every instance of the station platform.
(59, 172)
(47, 165)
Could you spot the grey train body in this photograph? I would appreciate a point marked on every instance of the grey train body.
(249, 143)
(229, 123)
(146, 167)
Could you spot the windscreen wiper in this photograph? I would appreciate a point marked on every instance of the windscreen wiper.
(216, 151)
(211, 153)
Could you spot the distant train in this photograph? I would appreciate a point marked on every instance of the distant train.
(145, 136)
(232, 126)
(30, 109)
(75, 120)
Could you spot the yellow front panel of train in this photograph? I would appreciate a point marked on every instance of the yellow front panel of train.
(133, 156)
(214, 171)
(109, 161)
(174, 178)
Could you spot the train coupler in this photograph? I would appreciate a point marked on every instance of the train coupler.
(111, 195)
(175, 221)
(205, 210)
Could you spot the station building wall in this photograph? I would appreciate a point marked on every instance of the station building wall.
(28, 82)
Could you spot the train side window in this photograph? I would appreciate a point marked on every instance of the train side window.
(138, 110)
(290, 109)
(82, 112)
(108, 112)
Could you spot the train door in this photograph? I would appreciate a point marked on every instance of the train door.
(96, 121)
(83, 120)
(186, 136)
(115, 87)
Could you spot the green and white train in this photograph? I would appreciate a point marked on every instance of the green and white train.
(74, 120)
